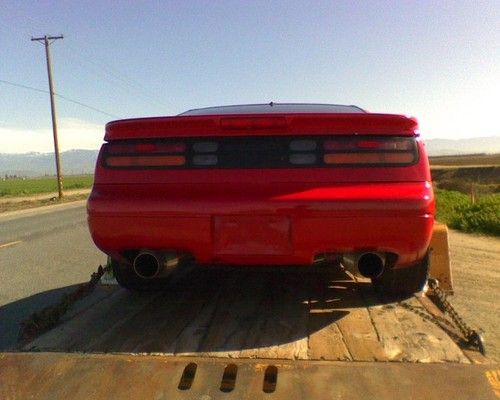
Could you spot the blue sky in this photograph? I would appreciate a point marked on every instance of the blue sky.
(439, 61)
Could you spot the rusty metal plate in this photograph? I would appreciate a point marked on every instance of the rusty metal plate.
(107, 376)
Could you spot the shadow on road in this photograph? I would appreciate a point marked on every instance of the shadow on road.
(12, 314)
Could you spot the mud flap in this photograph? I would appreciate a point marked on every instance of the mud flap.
(440, 267)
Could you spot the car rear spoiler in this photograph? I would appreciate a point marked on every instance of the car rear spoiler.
(262, 124)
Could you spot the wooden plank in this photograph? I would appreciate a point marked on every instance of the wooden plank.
(279, 330)
(273, 314)
(197, 291)
(264, 311)
(288, 327)
(234, 313)
(357, 330)
(406, 336)
(432, 312)
(188, 342)
(325, 339)
(77, 333)
(154, 328)
(476, 357)
(473, 355)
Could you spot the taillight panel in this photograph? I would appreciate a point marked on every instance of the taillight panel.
(145, 161)
(263, 152)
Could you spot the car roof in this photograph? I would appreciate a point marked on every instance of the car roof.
(276, 108)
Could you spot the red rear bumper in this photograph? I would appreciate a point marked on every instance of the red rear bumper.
(282, 223)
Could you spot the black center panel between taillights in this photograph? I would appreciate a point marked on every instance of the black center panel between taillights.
(261, 152)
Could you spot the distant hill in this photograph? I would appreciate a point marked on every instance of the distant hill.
(73, 162)
(445, 147)
(83, 161)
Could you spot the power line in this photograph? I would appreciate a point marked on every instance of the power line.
(106, 71)
(86, 106)
(23, 86)
(60, 96)
(113, 76)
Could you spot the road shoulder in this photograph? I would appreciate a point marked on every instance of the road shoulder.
(12, 205)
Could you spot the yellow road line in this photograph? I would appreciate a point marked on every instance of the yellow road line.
(493, 377)
(10, 244)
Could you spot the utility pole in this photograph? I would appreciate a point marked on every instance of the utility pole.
(47, 41)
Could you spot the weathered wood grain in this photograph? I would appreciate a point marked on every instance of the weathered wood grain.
(325, 338)
(82, 330)
(280, 327)
(227, 330)
(406, 336)
(154, 328)
(272, 314)
(357, 330)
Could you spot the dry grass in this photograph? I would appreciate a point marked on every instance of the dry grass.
(33, 203)
(467, 160)
(464, 179)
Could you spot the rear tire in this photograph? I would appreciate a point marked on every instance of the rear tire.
(403, 282)
(128, 279)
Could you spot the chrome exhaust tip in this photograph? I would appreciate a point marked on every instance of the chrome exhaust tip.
(147, 265)
(369, 265)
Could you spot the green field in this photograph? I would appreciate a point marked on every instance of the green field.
(26, 187)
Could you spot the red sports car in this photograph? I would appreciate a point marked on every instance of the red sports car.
(265, 184)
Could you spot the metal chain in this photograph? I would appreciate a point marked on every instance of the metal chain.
(473, 337)
(47, 318)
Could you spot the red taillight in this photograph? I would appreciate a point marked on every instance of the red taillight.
(368, 158)
(145, 161)
(144, 155)
(369, 144)
(146, 148)
(238, 123)
(362, 151)
(263, 151)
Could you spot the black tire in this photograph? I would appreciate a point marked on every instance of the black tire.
(128, 279)
(403, 282)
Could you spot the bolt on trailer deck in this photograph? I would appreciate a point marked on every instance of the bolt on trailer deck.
(245, 334)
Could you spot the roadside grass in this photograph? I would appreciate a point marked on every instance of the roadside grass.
(466, 179)
(26, 187)
(458, 211)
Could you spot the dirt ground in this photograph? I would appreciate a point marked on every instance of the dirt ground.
(40, 200)
(475, 263)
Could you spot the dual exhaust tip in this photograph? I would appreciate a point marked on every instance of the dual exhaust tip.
(369, 265)
(150, 264)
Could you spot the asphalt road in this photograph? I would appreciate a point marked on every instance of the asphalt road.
(43, 254)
